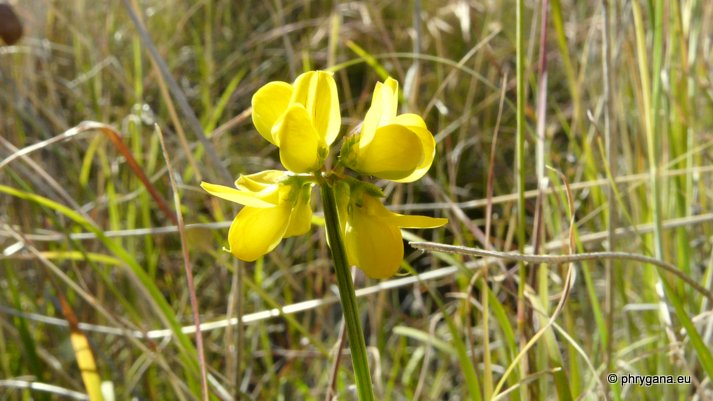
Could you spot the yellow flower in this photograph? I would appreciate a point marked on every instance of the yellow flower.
(395, 147)
(372, 235)
(277, 205)
(302, 119)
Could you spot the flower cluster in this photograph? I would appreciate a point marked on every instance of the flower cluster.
(303, 119)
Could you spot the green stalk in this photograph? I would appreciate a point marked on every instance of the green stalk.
(347, 295)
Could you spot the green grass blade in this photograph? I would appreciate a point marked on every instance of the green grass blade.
(163, 309)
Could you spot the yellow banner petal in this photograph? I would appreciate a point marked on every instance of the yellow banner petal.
(317, 92)
(269, 103)
(301, 87)
(326, 114)
(391, 103)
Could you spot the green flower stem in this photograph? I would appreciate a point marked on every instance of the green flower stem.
(347, 295)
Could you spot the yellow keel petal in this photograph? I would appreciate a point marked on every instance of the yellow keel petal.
(428, 148)
(301, 215)
(393, 154)
(374, 246)
(255, 232)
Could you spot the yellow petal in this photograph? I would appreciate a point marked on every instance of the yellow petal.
(325, 109)
(410, 120)
(377, 209)
(301, 215)
(301, 86)
(393, 154)
(373, 245)
(317, 92)
(299, 142)
(406, 221)
(428, 148)
(383, 108)
(269, 103)
(384, 104)
(255, 232)
(258, 182)
(389, 100)
(234, 195)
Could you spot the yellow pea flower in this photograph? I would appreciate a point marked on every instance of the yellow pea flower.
(277, 205)
(372, 235)
(301, 118)
(394, 147)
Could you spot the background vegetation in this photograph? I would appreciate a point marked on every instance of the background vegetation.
(91, 258)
